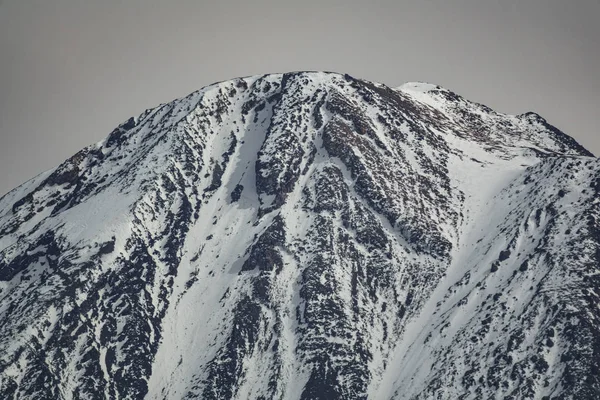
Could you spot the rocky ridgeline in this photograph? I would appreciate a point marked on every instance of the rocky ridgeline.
(307, 236)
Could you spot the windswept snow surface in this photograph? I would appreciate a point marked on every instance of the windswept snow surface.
(307, 235)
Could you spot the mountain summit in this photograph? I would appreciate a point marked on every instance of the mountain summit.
(307, 235)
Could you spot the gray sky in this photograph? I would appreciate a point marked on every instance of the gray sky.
(71, 70)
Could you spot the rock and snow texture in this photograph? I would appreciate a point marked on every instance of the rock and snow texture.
(307, 236)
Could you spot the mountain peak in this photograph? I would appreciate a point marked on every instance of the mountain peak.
(306, 235)
(418, 87)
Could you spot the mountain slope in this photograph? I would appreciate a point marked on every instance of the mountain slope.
(307, 236)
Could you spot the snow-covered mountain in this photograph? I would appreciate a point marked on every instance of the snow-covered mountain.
(307, 236)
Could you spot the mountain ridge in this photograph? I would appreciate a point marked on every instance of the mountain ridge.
(306, 235)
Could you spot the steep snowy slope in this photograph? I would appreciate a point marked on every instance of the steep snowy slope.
(307, 236)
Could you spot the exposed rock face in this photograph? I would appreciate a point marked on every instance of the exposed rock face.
(307, 236)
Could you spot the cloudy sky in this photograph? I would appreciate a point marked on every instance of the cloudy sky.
(71, 70)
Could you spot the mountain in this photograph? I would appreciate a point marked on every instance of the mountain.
(307, 235)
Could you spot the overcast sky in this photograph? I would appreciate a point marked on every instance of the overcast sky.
(71, 70)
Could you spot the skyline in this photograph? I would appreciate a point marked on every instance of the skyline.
(71, 72)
